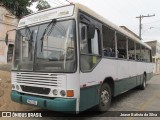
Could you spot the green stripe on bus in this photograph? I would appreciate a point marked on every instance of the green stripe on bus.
(129, 83)
(89, 97)
(126, 84)
(56, 104)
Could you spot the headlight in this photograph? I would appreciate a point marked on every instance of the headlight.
(55, 92)
(62, 93)
(17, 87)
(13, 86)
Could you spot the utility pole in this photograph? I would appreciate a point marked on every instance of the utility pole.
(140, 23)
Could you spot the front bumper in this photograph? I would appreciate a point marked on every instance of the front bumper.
(55, 104)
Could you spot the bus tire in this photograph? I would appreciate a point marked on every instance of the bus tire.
(143, 85)
(105, 98)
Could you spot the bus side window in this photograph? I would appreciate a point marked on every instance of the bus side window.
(121, 46)
(89, 49)
(138, 52)
(83, 38)
(131, 49)
(143, 54)
(94, 44)
(88, 46)
(148, 55)
(108, 42)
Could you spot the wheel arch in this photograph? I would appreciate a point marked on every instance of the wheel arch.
(145, 73)
(110, 82)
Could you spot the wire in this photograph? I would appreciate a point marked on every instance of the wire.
(152, 22)
(154, 28)
(147, 30)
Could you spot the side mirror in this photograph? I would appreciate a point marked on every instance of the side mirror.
(6, 39)
(91, 31)
(83, 33)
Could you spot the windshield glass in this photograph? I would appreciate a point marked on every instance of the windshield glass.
(53, 51)
(24, 48)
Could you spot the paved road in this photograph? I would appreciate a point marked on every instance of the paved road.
(133, 100)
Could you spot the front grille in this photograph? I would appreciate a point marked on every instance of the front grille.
(42, 79)
(38, 90)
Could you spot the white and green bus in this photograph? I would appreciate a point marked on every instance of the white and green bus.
(70, 58)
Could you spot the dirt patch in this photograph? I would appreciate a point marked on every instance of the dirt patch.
(6, 104)
(5, 67)
(1, 92)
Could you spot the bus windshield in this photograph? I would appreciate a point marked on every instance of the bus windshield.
(46, 47)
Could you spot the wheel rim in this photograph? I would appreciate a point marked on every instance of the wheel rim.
(104, 98)
(144, 81)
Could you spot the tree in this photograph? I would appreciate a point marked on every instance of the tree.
(42, 4)
(17, 7)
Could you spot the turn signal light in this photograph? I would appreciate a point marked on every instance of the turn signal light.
(70, 93)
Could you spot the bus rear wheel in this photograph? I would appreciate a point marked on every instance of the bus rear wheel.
(143, 85)
(105, 98)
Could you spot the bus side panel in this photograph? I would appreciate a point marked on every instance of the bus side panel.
(149, 70)
(123, 69)
(89, 97)
(123, 79)
(140, 71)
(127, 76)
(132, 74)
(124, 85)
(141, 68)
(149, 76)
(90, 82)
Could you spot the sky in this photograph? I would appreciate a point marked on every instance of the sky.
(124, 13)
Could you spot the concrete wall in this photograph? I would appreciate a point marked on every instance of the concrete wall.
(7, 22)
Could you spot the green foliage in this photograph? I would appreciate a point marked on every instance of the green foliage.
(42, 4)
(17, 7)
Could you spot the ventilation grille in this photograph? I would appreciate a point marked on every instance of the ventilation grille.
(43, 79)
(38, 90)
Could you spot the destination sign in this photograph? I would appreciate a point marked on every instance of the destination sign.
(50, 14)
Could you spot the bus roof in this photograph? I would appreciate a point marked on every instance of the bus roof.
(107, 22)
(92, 13)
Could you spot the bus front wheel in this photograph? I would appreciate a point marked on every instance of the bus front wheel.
(105, 98)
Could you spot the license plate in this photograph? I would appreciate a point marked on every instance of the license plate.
(32, 102)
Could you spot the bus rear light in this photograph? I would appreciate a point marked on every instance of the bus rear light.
(70, 93)
(55, 92)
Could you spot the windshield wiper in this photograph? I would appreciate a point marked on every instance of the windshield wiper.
(30, 37)
(30, 41)
(27, 30)
(53, 22)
